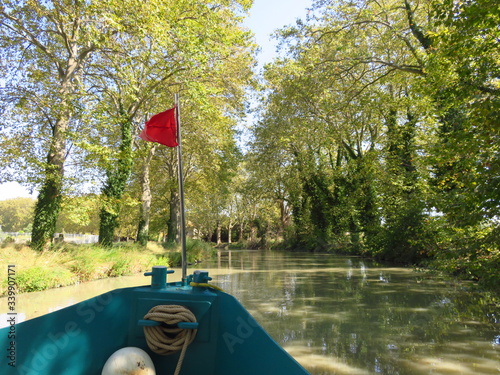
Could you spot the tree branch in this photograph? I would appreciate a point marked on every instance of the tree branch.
(25, 34)
(424, 40)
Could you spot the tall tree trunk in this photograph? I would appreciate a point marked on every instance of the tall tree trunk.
(143, 229)
(49, 199)
(240, 236)
(219, 230)
(229, 231)
(46, 213)
(173, 223)
(253, 233)
(61, 53)
(115, 186)
(284, 218)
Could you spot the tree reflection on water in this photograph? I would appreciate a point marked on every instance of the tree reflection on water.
(344, 315)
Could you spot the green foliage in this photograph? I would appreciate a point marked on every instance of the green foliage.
(41, 278)
(162, 261)
(379, 128)
(95, 262)
(47, 210)
(197, 250)
(119, 268)
(142, 233)
(84, 91)
(79, 214)
(16, 214)
(86, 268)
(115, 186)
(8, 241)
(470, 252)
(42, 94)
(68, 264)
(466, 162)
(405, 238)
(377, 133)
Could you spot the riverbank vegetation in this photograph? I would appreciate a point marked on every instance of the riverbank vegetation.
(375, 133)
(68, 264)
(380, 133)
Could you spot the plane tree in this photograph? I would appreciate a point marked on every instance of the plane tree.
(81, 76)
(344, 106)
(46, 47)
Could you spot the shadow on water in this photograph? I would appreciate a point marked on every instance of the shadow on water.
(339, 315)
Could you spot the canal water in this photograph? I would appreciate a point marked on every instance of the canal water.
(340, 315)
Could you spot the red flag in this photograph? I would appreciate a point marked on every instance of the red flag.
(161, 128)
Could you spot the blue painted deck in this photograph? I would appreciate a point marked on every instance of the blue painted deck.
(79, 339)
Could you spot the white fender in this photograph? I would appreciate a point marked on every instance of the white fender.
(129, 361)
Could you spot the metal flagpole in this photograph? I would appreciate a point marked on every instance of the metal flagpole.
(181, 189)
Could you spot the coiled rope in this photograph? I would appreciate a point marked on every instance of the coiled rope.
(167, 338)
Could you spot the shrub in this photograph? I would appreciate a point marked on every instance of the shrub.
(7, 241)
(120, 268)
(196, 250)
(161, 261)
(41, 278)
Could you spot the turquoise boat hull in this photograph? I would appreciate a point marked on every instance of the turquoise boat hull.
(79, 339)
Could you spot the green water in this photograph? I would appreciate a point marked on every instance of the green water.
(340, 315)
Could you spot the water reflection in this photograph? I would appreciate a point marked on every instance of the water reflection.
(340, 315)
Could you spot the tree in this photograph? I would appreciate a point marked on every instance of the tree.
(145, 213)
(464, 70)
(387, 114)
(16, 214)
(79, 214)
(204, 52)
(463, 75)
(349, 69)
(108, 70)
(46, 47)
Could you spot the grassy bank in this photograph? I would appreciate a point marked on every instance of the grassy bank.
(68, 264)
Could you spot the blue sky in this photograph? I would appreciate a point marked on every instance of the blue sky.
(269, 15)
(265, 17)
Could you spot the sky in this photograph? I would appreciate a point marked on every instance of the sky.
(265, 17)
(268, 15)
